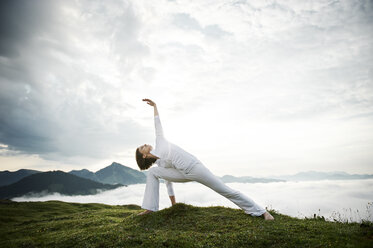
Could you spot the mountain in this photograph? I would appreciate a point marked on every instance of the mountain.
(233, 179)
(53, 181)
(316, 176)
(117, 173)
(9, 177)
(301, 176)
(112, 174)
(85, 174)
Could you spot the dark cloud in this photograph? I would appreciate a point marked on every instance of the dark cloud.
(23, 126)
(22, 20)
(51, 102)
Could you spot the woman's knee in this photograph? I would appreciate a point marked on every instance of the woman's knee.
(224, 190)
(153, 171)
(233, 194)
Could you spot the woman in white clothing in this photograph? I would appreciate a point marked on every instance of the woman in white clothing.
(177, 165)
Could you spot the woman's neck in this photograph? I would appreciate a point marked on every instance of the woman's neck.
(152, 156)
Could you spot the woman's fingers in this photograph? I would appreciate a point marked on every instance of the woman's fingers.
(150, 102)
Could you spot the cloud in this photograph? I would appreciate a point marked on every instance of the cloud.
(55, 98)
(21, 21)
(188, 23)
(297, 199)
(73, 72)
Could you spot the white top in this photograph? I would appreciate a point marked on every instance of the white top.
(170, 155)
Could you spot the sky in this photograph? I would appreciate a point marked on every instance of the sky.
(252, 88)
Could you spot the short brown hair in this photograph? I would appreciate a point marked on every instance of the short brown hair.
(143, 163)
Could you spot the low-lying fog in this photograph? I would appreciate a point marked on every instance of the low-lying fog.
(347, 200)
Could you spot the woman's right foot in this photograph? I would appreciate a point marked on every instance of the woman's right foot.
(268, 216)
(145, 212)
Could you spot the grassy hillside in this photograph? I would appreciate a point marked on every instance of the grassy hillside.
(61, 224)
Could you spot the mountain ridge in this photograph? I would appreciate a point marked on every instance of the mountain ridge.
(51, 182)
(111, 174)
(9, 177)
(319, 175)
(118, 173)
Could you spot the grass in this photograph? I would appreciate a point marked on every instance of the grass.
(62, 224)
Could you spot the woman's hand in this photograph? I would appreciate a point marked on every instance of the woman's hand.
(173, 200)
(150, 102)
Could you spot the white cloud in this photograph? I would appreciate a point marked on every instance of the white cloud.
(265, 85)
(343, 200)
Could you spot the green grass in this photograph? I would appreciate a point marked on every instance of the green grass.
(62, 224)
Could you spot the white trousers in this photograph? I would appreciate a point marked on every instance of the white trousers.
(198, 173)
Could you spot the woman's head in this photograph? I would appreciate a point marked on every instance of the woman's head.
(143, 157)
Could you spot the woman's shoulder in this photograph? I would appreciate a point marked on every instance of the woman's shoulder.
(161, 139)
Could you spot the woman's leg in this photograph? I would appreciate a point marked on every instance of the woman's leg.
(151, 196)
(203, 175)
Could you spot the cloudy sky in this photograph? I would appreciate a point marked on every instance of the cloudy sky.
(249, 87)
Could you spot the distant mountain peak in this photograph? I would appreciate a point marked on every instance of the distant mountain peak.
(118, 173)
(319, 175)
(82, 170)
(116, 164)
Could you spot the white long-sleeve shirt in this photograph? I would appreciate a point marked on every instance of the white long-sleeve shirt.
(170, 155)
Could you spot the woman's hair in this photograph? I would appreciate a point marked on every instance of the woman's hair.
(143, 163)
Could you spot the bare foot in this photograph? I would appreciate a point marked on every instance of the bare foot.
(268, 216)
(145, 212)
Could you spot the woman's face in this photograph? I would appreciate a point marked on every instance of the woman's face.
(145, 149)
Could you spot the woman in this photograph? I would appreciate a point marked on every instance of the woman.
(177, 165)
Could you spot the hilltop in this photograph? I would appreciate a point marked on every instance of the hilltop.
(62, 224)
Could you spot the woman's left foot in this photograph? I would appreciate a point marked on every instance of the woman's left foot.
(145, 212)
(268, 216)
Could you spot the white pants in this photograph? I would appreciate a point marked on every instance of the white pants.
(198, 173)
